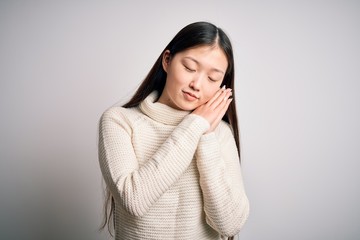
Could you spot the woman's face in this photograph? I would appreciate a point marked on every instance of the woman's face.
(193, 76)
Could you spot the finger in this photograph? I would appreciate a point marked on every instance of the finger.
(225, 106)
(223, 110)
(227, 96)
(221, 100)
(216, 95)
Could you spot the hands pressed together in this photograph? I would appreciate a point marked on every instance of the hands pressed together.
(214, 109)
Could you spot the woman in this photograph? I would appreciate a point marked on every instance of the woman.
(170, 156)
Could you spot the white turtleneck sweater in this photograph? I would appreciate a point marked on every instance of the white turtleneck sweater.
(169, 179)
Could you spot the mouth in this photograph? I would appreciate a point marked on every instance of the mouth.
(191, 94)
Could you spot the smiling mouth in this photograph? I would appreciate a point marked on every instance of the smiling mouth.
(192, 95)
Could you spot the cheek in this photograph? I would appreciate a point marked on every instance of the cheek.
(177, 77)
(210, 93)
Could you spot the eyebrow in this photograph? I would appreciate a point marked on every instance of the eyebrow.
(214, 69)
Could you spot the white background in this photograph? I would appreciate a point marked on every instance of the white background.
(62, 63)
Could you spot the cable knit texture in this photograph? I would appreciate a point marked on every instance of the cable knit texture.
(169, 179)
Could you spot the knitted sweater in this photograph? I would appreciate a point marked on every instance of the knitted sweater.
(169, 179)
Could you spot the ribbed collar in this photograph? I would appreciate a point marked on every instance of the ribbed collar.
(160, 112)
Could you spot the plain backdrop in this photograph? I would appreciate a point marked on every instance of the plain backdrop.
(62, 63)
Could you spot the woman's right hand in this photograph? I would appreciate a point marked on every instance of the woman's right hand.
(214, 109)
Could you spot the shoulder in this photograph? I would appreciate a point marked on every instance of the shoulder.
(120, 115)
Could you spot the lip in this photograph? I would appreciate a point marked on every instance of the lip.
(191, 95)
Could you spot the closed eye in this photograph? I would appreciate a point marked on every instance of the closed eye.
(212, 79)
(189, 69)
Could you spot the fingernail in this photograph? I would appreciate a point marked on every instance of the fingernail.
(223, 87)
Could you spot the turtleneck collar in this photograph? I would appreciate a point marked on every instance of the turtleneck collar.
(160, 112)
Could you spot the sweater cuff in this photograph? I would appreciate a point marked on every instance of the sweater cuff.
(208, 152)
(201, 123)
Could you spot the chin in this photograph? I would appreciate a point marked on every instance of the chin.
(187, 107)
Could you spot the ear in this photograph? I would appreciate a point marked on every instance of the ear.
(166, 57)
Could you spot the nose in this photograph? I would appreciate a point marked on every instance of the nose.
(195, 84)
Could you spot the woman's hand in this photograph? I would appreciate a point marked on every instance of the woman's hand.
(215, 108)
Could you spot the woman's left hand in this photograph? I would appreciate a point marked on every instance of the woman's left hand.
(214, 109)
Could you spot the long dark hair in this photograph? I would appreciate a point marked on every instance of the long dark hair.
(194, 34)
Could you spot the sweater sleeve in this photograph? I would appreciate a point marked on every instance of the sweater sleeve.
(225, 203)
(138, 188)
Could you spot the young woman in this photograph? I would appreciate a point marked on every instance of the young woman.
(170, 156)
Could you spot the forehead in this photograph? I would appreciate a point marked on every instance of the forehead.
(209, 56)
